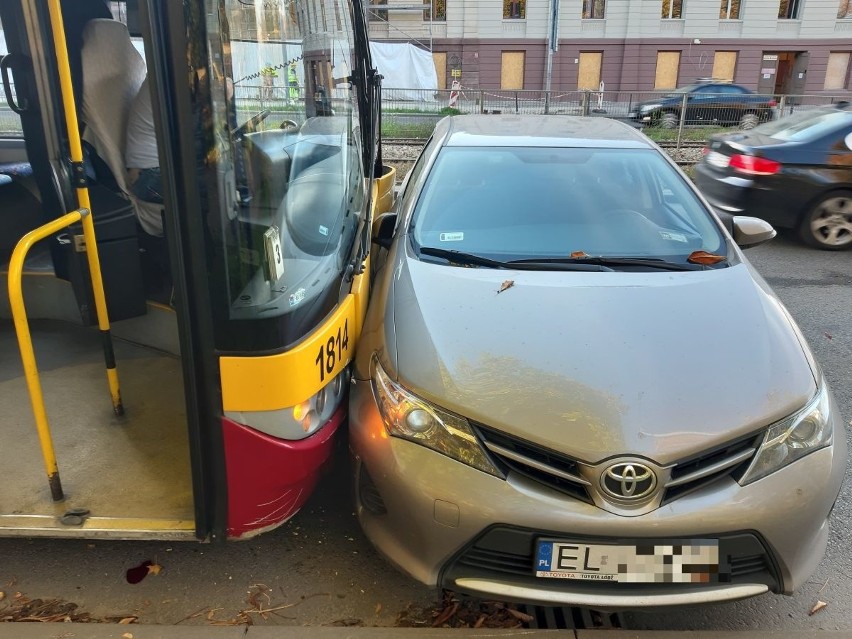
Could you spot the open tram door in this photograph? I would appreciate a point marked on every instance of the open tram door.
(252, 272)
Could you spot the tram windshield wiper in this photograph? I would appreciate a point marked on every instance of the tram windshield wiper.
(544, 264)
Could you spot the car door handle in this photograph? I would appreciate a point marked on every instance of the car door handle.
(6, 63)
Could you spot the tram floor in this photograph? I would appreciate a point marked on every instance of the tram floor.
(130, 474)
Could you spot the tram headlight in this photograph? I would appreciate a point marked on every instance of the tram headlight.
(302, 420)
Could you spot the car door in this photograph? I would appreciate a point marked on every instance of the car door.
(699, 105)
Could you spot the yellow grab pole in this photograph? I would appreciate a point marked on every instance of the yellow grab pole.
(83, 199)
(25, 342)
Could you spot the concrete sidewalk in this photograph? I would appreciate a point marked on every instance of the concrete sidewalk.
(134, 631)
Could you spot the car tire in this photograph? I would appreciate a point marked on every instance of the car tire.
(669, 120)
(749, 121)
(828, 223)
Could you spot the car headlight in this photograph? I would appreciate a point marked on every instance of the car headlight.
(416, 420)
(793, 437)
(649, 107)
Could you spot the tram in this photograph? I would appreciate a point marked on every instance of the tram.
(179, 369)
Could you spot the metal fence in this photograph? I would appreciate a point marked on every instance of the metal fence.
(664, 116)
(413, 113)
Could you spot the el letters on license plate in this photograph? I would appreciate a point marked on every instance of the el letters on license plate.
(682, 561)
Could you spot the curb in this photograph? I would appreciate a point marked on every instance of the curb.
(137, 631)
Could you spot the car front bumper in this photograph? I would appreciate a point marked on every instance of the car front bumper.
(427, 513)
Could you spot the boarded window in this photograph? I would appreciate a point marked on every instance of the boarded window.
(672, 9)
(512, 70)
(724, 65)
(594, 9)
(589, 75)
(668, 64)
(729, 10)
(837, 71)
(440, 60)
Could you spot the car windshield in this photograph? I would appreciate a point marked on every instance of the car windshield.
(806, 125)
(511, 203)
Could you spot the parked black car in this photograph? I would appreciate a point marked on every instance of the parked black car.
(706, 103)
(794, 173)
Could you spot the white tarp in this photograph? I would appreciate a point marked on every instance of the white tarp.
(404, 66)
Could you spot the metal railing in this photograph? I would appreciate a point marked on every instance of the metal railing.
(25, 342)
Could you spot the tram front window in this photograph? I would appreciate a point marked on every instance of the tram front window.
(288, 158)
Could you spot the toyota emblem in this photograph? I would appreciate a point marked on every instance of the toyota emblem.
(628, 480)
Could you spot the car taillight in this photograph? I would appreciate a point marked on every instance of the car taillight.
(752, 165)
(705, 150)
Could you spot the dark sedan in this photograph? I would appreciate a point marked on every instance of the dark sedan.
(794, 173)
(711, 103)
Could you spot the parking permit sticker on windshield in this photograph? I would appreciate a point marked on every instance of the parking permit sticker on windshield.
(454, 237)
(675, 237)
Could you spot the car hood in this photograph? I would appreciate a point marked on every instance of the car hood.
(660, 364)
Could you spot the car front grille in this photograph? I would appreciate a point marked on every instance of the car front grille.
(730, 460)
(564, 474)
(548, 467)
(506, 553)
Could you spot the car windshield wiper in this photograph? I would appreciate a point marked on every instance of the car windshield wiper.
(544, 264)
(647, 262)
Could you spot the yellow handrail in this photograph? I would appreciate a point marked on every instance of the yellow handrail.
(25, 342)
(76, 149)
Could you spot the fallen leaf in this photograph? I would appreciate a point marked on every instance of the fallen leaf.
(154, 569)
(705, 258)
(819, 605)
(127, 620)
(127, 635)
(828, 335)
(2, 595)
(378, 608)
(505, 286)
(447, 613)
(520, 616)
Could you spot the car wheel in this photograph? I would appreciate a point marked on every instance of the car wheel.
(828, 224)
(669, 120)
(749, 121)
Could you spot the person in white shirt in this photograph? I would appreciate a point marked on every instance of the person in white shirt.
(141, 159)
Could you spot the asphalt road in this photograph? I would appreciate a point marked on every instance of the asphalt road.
(323, 570)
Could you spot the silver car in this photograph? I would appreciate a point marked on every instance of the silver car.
(573, 388)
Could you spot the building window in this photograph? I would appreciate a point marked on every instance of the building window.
(668, 65)
(672, 9)
(514, 9)
(512, 70)
(788, 9)
(377, 14)
(837, 71)
(844, 10)
(439, 11)
(729, 10)
(594, 9)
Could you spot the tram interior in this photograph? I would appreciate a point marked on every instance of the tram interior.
(123, 477)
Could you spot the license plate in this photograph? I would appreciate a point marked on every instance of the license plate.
(680, 561)
(717, 159)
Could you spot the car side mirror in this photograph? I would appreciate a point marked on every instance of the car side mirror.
(383, 229)
(751, 231)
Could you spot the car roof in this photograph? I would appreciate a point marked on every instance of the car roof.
(538, 131)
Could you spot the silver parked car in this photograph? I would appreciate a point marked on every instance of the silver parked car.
(573, 388)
